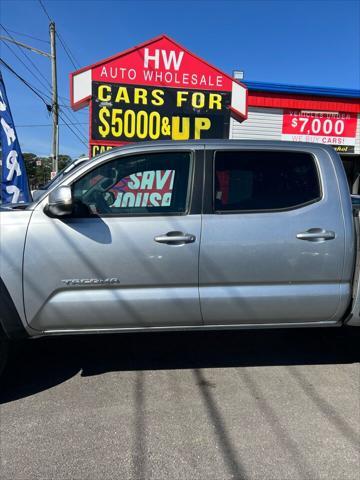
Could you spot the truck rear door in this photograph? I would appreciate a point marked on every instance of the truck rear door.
(273, 238)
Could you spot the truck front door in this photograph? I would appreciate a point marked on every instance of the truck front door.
(127, 257)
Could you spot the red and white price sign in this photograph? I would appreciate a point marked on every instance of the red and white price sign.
(329, 128)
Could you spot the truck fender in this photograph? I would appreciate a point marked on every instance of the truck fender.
(10, 321)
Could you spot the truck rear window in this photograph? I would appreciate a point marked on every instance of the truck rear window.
(260, 180)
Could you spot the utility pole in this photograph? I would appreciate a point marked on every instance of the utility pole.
(54, 96)
(55, 105)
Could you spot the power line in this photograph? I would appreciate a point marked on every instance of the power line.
(69, 109)
(67, 51)
(35, 125)
(47, 106)
(45, 11)
(48, 95)
(73, 124)
(26, 66)
(25, 82)
(27, 56)
(26, 35)
(76, 135)
(73, 62)
(61, 40)
(73, 116)
(39, 92)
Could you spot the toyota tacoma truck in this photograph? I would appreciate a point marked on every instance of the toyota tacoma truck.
(192, 235)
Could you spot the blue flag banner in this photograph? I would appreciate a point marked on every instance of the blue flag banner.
(14, 183)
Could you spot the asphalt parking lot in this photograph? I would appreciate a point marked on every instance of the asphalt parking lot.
(245, 405)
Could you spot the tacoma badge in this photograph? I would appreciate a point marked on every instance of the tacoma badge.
(91, 281)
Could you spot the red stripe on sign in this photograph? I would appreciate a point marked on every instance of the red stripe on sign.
(303, 102)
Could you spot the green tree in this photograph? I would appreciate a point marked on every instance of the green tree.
(63, 160)
(39, 168)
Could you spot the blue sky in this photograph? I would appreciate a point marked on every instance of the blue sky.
(307, 42)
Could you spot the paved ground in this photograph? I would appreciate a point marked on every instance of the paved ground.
(246, 405)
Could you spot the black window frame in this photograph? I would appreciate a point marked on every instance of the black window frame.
(189, 191)
(269, 210)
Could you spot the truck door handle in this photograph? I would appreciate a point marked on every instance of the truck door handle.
(316, 235)
(175, 238)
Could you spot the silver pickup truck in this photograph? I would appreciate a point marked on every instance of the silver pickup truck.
(184, 235)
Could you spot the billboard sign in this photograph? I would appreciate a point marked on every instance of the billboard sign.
(328, 128)
(156, 91)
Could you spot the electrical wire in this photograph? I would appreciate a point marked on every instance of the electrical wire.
(35, 125)
(41, 92)
(29, 36)
(71, 58)
(69, 109)
(68, 51)
(8, 46)
(74, 124)
(34, 90)
(49, 108)
(61, 40)
(82, 140)
(74, 120)
(73, 62)
(76, 135)
(24, 64)
(27, 56)
(45, 11)
(38, 79)
(70, 112)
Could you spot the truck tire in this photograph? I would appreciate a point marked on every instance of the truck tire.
(4, 350)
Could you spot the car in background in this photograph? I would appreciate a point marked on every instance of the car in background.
(355, 200)
(36, 194)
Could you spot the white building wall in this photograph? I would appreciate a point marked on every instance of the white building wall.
(266, 124)
(261, 124)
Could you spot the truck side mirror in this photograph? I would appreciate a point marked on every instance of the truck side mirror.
(60, 202)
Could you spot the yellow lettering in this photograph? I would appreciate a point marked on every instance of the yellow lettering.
(140, 96)
(122, 95)
(215, 100)
(101, 90)
(154, 125)
(201, 124)
(96, 149)
(104, 128)
(198, 100)
(142, 124)
(157, 97)
(180, 97)
(182, 133)
(129, 123)
(116, 122)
